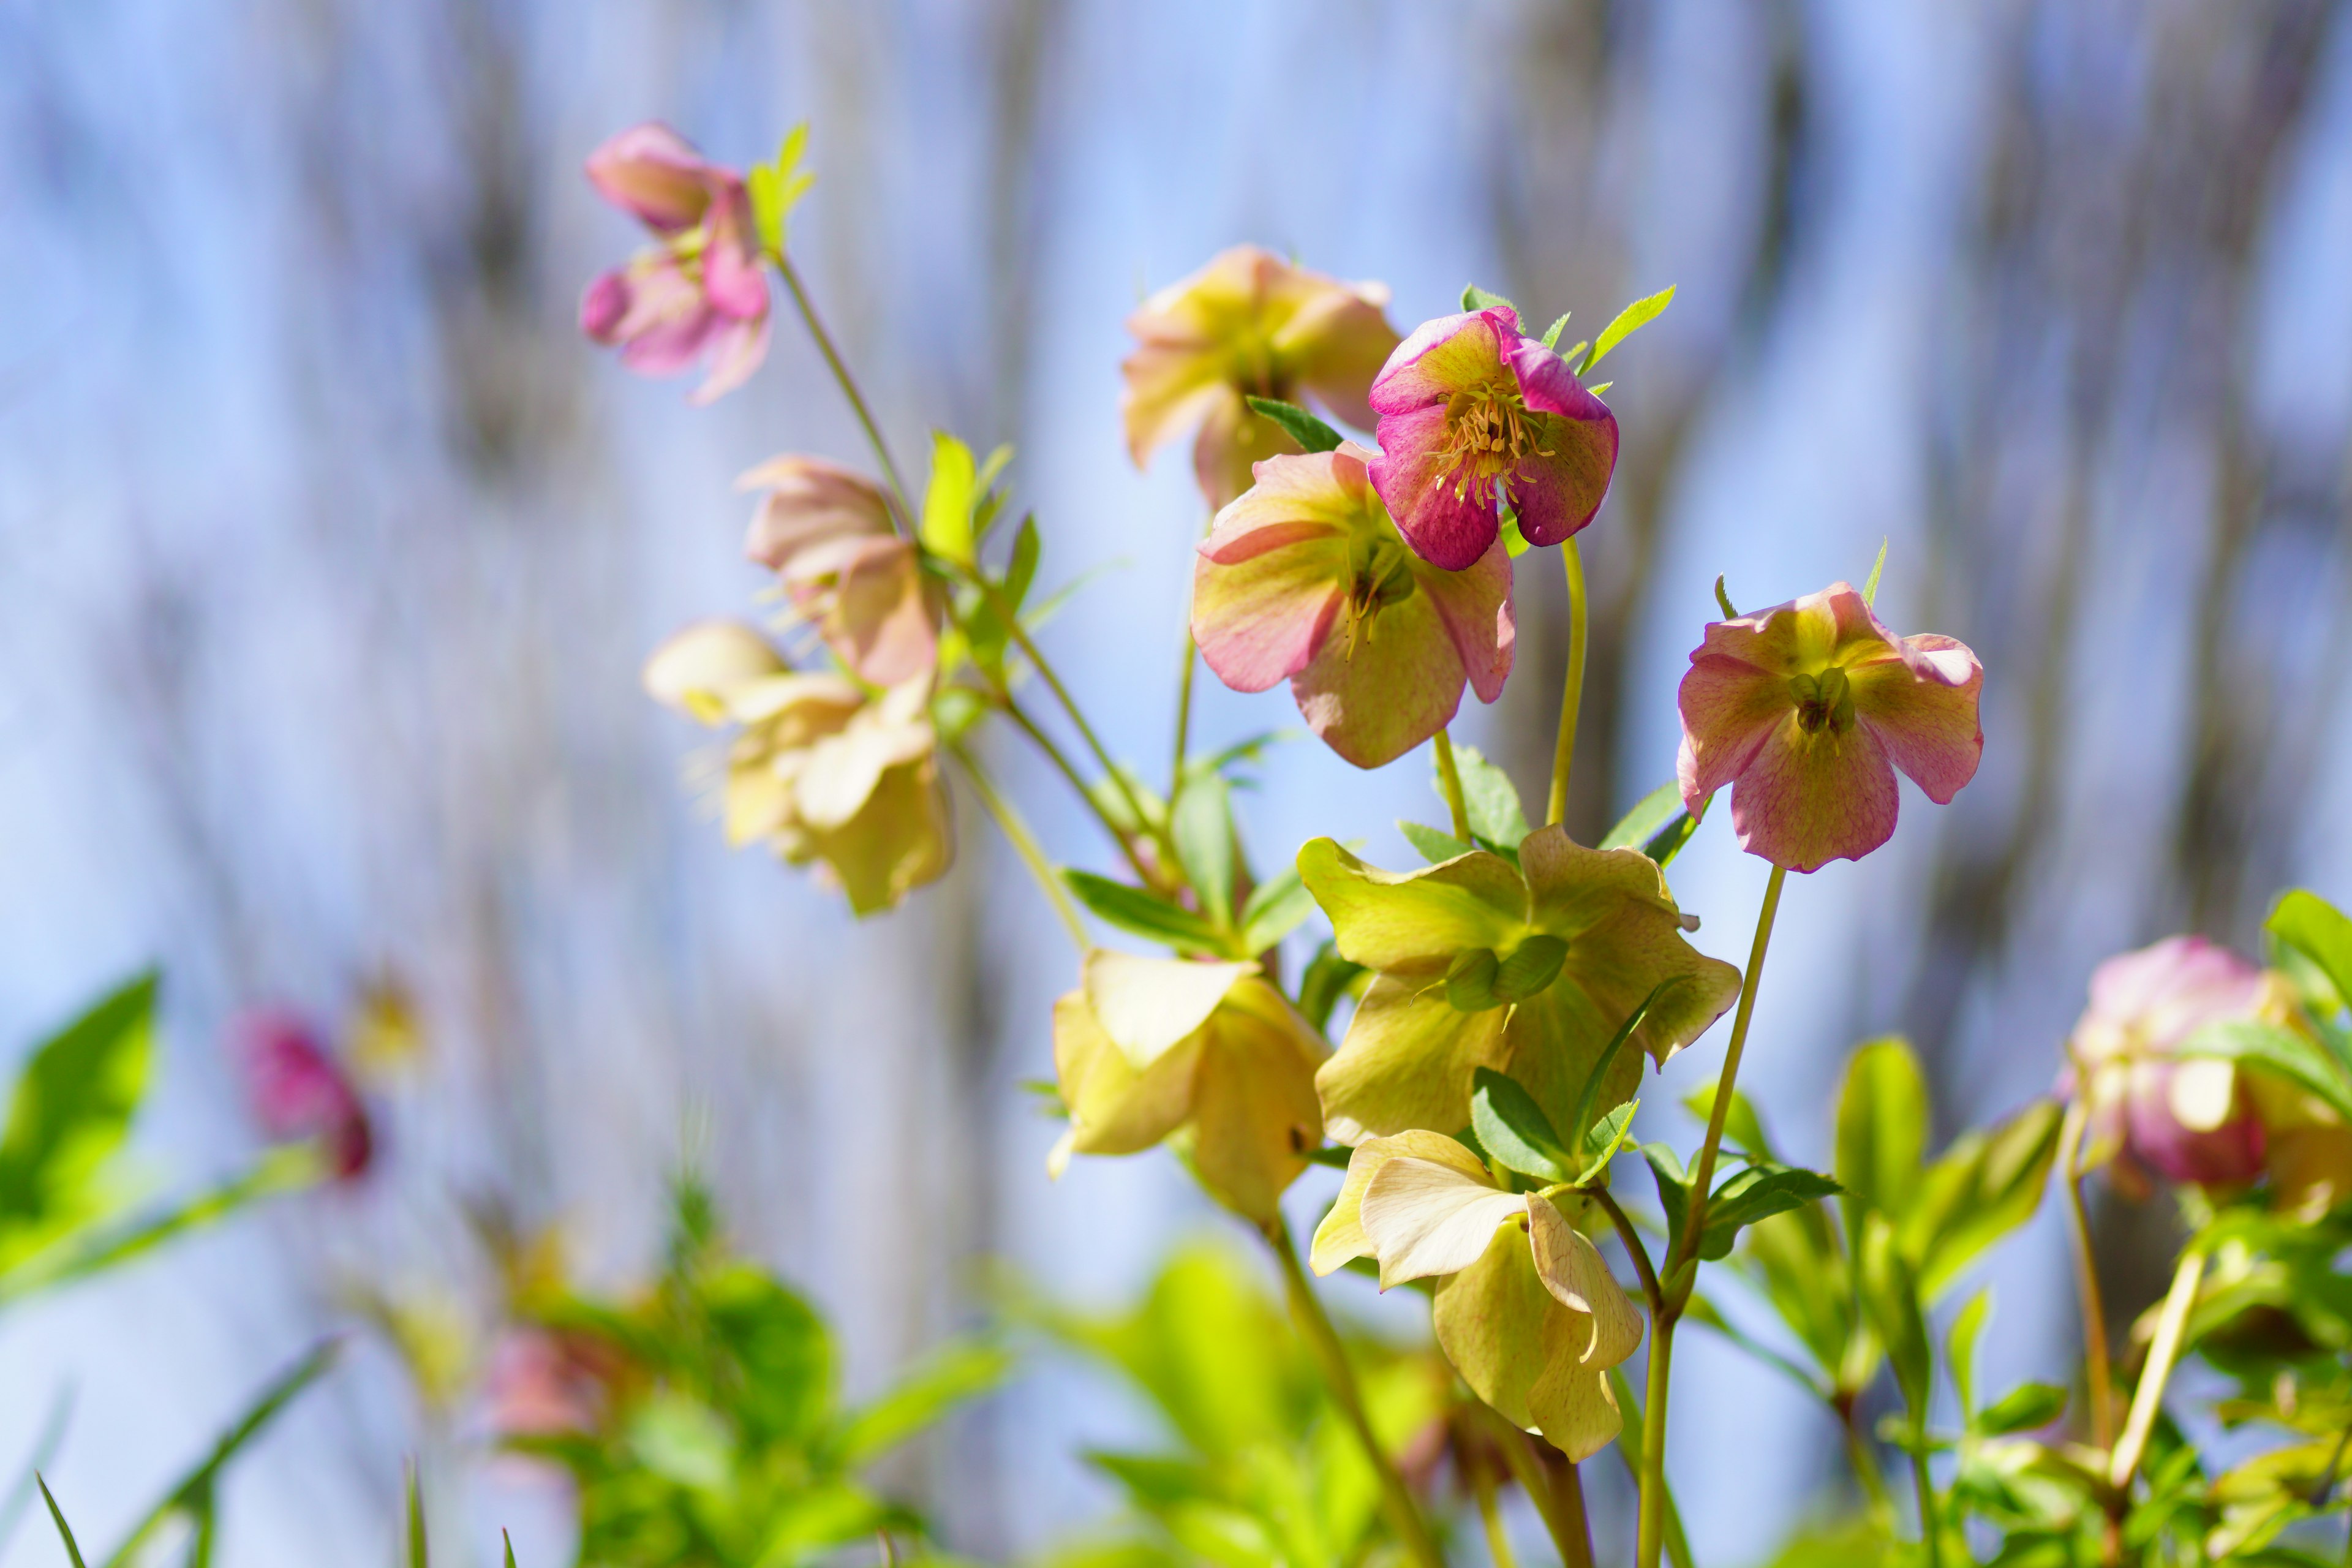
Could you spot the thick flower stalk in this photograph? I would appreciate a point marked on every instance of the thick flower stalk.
(1529, 969)
(1474, 415)
(1524, 1306)
(828, 535)
(1306, 579)
(819, 769)
(299, 1092)
(1249, 324)
(697, 292)
(1808, 708)
(1210, 1054)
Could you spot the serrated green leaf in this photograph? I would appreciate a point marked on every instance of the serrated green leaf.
(2021, 1409)
(1627, 321)
(1602, 1140)
(1433, 847)
(1587, 1097)
(1477, 299)
(1514, 1129)
(1870, 588)
(1147, 915)
(1492, 800)
(1759, 1192)
(1551, 333)
(1274, 910)
(1890, 1294)
(1978, 1191)
(1202, 826)
(1882, 1129)
(1300, 426)
(1673, 1188)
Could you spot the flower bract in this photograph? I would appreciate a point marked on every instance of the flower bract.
(826, 532)
(1304, 578)
(1807, 709)
(1249, 324)
(1529, 969)
(1473, 413)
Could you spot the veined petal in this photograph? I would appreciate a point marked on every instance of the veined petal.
(1922, 706)
(1426, 1218)
(1572, 1270)
(653, 173)
(1449, 522)
(1491, 1321)
(1399, 685)
(1413, 922)
(737, 349)
(1807, 800)
(1116, 1106)
(841, 771)
(1476, 605)
(1259, 616)
(1170, 383)
(1340, 1238)
(902, 839)
(1337, 344)
(1407, 1062)
(809, 501)
(1148, 1004)
(1254, 1113)
(1442, 357)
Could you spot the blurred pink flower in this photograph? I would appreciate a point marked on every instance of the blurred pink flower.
(1809, 708)
(698, 293)
(298, 1092)
(826, 532)
(542, 1386)
(1306, 579)
(1469, 404)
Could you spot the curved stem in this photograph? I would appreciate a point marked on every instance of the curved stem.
(848, 383)
(1183, 714)
(1498, 1543)
(1062, 764)
(1307, 1308)
(1635, 1248)
(1564, 749)
(1025, 844)
(2171, 1326)
(2098, 1377)
(1449, 779)
(1629, 1446)
(1522, 1452)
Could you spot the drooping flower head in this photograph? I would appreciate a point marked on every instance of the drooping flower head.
(697, 293)
(1529, 969)
(1808, 708)
(1151, 1047)
(298, 1092)
(1249, 324)
(1524, 1308)
(826, 532)
(1472, 409)
(819, 769)
(1304, 578)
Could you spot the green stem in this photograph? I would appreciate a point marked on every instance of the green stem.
(848, 385)
(1522, 1454)
(1564, 750)
(1629, 1447)
(1307, 1308)
(1635, 1249)
(1025, 844)
(1183, 714)
(1449, 779)
(1875, 1496)
(1685, 1252)
(1931, 1534)
(1498, 1542)
(2098, 1375)
(2163, 1352)
(1568, 1488)
(1068, 770)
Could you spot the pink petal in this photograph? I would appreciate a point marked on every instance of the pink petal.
(1401, 685)
(809, 499)
(1475, 606)
(1922, 705)
(665, 348)
(1557, 495)
(1729, 708)
(1807, 800)
(652, 173)
(1450, 354)
(1260, 620)
(1337, 344)
(1446, 526)
(731, 276)
(603, 306)
(735, 352)
(2154, 998)
(2227, 1155)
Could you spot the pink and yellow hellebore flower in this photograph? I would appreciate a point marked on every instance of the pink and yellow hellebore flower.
(697, 293)
(299, 1092)
(819, 769)
(2155, 1112)
(826, 532)
(1210, 1055)
(1305, 579)
(1249, 324)
(1470, 408)
(1524, 1308)
(1808, 708)
(1529, 969)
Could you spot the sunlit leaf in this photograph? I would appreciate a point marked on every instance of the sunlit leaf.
(69, 1113)
(1512, 1128)
(2021, 1409)
(1147, 915)
(1477, 299)
(949, 1376)
(1433, 847)
(1881, 1128)
(1300, 426)
(1960, 1347)
(1890, 1294)
(1202, 826)
(1986, 1185)
(1492, 800)
(1870, 588)
(946, 530)
(1327, 978)
(1274, 910)
(1627, 321)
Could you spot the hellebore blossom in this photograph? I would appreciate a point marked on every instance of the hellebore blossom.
(1304, 578)
(1150, 1046)
(2153, 1111)
(698, 293)
(1470, 405)
(1528, 970)
(299, 1092)
(1524, 1308)
(545, 1383)
(1249, 324)
(819, 769)
(826, 532)
(1808, 708)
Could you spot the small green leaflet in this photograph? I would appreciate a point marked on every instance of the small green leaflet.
(1274, 910)
(1551, 333)
(1326, 980)
(1296, 423)
(947, 504)
(1514, 1129)
(1870, 589)
(2021, 1409)
(1477, 299)
(1724, 599)
(1612, 1132)
(1147, 915)
(1432, 845)
(1628, 321)
(1495, 814)
(776, 187)
(73, 1551)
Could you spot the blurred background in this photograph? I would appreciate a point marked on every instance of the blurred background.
(329, 552)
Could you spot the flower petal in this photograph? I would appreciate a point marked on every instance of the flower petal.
(1413, 922)
(1922, 706)
(1340, 1238)
(1451, 353)
(1259, 615)
(1448, 523)
(1807, 800)
(1571, 1270)
(732, 277)
(653, 173)
(1117, 1107)
(1475, 603)
(1491, 1321)
(1254, 1113)
(1729, 707)
(1148, 1004)
(1232, 442)
(1399, 685)
(1426, 1218)
(736, 350)
(696, 669)
(603, 306)
(809, 499)
(901, 839)
(1336, 344)
(1407, 1062)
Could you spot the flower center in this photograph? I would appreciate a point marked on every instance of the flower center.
(1489, 433)
(1824, 702)
(1380, 576)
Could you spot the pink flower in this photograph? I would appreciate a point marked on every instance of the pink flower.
(698, 293)
(826, 532)
(1469, 405)
(2188, 1120)
(1808, 708)
(1304, 578)
(544, 1384)
(298, 1092)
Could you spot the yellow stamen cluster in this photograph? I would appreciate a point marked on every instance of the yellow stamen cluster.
(1489, 433)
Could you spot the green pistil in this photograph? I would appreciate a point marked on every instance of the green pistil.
(1824, 702)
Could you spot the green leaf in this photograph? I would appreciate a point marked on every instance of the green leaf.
(1274, 910)
(1673, 1188)
(509, 1541)
(1434, 847)
(1325, 981)
(1978, 1191)
(1890, 1294)
(1477, 299)
(1870, 588)
(1296, 423)
(418, 1555)
(2304, 921)
(1604, 1138)
(2253, 1043)
(1961, 1348)
(1552, 332)
(65, 1533)
(950, 1375)
(1650, 814)
(1147, 915)
(1882, 1129)
(1761, 1190)
(1023, 570)
(776, 187)
(68, 1114)
(1742, 1127)
(1628, 321)
(1495, 814)
(1587, 1097)
(1514, 1129)
(2021, 1409)
(1202, 827)
(946, 530)
(1724, 600)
